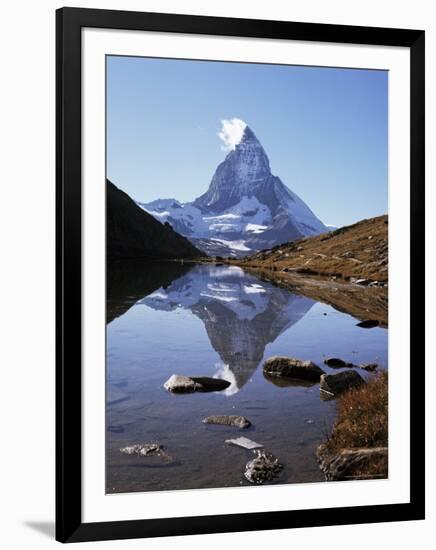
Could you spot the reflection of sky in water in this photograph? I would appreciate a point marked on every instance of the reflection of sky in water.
(219, 321)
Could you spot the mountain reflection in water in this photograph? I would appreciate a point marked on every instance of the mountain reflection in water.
(211, 320)
(240, 313)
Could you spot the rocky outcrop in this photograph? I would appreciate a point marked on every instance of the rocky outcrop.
(265, 467)
(142, 449)
(133, 233)
(349, 464)
(186, 384)
(228, 420)
(288, 367)
(335, 384)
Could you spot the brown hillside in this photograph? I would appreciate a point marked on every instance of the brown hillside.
(358, 251)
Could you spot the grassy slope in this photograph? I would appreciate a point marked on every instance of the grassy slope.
(359, 251)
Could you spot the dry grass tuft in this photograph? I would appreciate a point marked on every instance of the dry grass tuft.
(362, 420)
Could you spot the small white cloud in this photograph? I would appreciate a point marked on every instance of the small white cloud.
(231, 133)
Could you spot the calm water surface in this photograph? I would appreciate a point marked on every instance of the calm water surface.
(216, 321)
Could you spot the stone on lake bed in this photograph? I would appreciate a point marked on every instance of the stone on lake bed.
(142, 449)
(178, 383)
(334, 384)
(147, 449)
(264, 467)
(228, 420)
(289, 367)
(245, 443)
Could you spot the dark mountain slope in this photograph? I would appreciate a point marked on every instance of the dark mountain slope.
(133, 233)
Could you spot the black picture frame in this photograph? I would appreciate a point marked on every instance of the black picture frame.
(69, 525)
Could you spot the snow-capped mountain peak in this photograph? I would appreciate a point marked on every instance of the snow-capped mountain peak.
(239, 175)
(246, 208)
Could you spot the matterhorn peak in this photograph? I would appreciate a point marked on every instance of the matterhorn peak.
(245, 207)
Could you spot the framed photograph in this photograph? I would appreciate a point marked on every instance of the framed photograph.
(240, 264)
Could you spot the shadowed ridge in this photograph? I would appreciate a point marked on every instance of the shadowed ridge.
(133, 233)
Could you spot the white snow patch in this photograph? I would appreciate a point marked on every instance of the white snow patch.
(158, 295)
(221, 217)
(255, 228)
(164, 215)
(235, 245)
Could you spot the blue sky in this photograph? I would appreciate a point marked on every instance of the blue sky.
(324, 130)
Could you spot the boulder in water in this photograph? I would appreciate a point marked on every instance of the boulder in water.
(288, 367)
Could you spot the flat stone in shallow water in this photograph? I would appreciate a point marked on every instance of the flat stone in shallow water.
(245, 443)
(334, 384)
(228, 420)
(178, 383)
(264, 467)
(289, 367)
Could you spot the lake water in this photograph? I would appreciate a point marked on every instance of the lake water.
(220, 321)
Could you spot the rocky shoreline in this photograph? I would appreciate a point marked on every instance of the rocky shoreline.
(335, 461)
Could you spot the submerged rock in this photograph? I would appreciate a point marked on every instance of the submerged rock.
(186, 384)
(370, 323)
(288, 367)
(265, 467)
(142, 449)
(228, 420)
(147, 449)
(348, 464)
(337, 363)
(334, 384)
